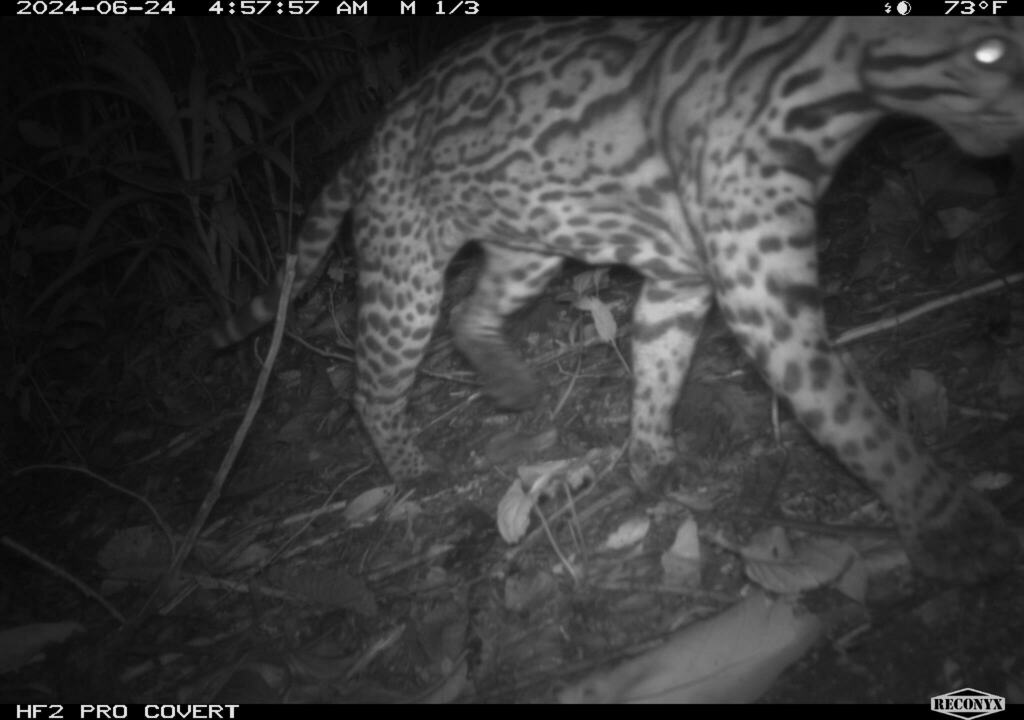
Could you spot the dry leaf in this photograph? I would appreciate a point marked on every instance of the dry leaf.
(681, 564)
(404, 510)
(364, 505)
(629, 533)
(590, 280)
(810, 565)
(514, 513)
(604, 322)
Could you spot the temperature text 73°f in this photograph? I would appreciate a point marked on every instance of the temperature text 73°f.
(974, 7)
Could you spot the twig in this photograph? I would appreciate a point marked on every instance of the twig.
(309, 521)
(236, 445)
(64, 575)
(568, 391)
(892, 322)
(164, 528)
(451, 411)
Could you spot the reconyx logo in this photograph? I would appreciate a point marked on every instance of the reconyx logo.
(968, 704)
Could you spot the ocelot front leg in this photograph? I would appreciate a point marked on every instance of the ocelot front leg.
(769, 297)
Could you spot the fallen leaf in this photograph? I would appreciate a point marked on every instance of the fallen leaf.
(629, 533)
(809, 565)
(364, 505)
(604, 322)
(681, 564)
(514, 513)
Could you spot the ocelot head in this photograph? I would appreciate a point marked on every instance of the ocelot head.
(966, 77)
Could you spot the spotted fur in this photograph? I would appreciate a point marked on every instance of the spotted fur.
(692, 151)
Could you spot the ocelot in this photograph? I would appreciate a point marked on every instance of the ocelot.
(693, 151)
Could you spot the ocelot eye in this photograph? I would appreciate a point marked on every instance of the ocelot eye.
(991, 51)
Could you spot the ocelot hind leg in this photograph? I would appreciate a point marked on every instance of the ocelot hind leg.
(775, 312)
(508, 280)
(667, 321)
(399, 306)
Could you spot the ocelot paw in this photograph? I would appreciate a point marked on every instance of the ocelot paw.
(652, 471)
(967, 544)
(516, 390)
(414, 468)
(437, 475)
(506, 379)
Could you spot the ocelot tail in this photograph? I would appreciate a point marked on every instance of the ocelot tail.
(693, 151)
